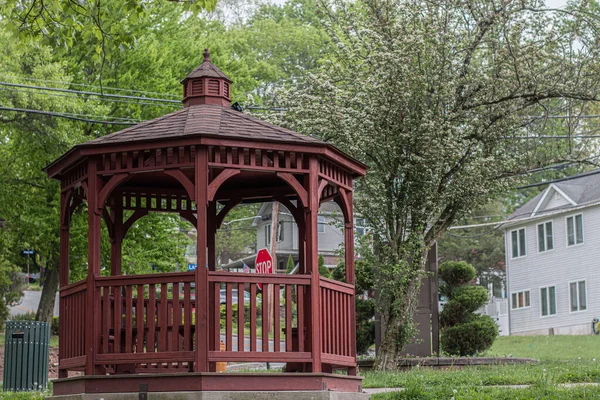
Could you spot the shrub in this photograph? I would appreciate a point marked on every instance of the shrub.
(463, 332)
(456, 273)
(11, 288)
(30, 316)
(470, 297)
(471, 337)
(54, 326)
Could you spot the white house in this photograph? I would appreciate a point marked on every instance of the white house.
(553, 259)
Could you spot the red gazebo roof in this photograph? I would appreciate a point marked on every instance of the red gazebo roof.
(206, 120)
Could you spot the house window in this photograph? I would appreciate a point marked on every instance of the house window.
(280, 231)
(520, 299)
(578, 296)
(321, 224)
(548, 300)
(518, 243)
(574, 230)
(545, 240)
(268, 234)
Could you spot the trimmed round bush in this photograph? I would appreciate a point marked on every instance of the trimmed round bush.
(470, 297)
(452, 314)
(471, 337)
(456, 273)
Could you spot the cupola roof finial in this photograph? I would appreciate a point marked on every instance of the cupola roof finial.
(206, 54)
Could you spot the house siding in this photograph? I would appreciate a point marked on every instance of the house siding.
(557, 268)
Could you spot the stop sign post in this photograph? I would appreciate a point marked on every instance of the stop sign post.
(264, 264)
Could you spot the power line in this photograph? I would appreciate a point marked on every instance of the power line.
(107, 95)
(67, 116)
(93, 86)
(69, 96)
(570, 178)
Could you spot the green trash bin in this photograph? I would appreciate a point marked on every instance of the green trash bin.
(26, 351)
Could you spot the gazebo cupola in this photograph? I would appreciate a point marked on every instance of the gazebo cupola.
(206, 84)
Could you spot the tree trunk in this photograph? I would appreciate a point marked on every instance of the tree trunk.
(45, 309)
(398, 328)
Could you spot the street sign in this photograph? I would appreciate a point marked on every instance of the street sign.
(192, 267)
(264, 264)
(27, 252)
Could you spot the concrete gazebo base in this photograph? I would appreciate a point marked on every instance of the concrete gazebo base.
(210, 385)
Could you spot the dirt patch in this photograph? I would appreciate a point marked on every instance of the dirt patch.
(52, 363)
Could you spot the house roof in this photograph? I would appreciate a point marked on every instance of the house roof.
(578, 191)
(205, 120)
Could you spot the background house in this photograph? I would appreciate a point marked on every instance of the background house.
(331, 236)
(552, 258)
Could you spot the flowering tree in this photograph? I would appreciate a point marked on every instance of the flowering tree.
(447, 102)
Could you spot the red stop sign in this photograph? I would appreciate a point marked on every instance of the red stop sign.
(264, 264)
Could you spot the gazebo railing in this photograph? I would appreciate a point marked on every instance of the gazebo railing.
(147, 322)
(250, 335)
(73, 302)
(337, 322)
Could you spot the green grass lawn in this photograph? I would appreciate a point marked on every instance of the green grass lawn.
(562, 359)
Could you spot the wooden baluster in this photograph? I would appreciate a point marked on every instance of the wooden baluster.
(162, 318)
(300, 316)
(187, 318)
(139, 319)
(241, 310)
(229, 319)
(151, 341)
(253, 317)
(105, 318)
(176, 318)
(288, 317)
(128, 319)
(217, 312)
(118, 318)
(265, 318)
(276, 319)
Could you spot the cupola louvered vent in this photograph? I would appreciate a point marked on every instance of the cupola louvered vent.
(213, 87)
(226, 89)
(197, 87)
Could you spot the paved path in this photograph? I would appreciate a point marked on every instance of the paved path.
(30, 302)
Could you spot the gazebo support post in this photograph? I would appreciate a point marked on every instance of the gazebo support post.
(92, 320)
(202, 303)
(349, 261)
(65, 225)
(211, 241)
(312, 262)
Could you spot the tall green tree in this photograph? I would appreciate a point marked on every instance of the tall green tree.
(437, 98)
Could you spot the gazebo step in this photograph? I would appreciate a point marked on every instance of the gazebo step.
(161, 385)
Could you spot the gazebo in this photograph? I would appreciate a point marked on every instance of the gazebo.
(163, 332)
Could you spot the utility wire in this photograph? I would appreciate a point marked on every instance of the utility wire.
(67, 116)
(107, 95)
(74, 96)
(92, 86)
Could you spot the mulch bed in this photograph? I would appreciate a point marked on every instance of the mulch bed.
(451, 362)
